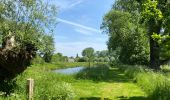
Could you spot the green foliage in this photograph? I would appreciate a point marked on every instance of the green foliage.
(48, 48)
(102, 56)
(38, 60)
(25, 27)
(8, 86)
(151, 11)
(27, 20)
(88, 52)
(126, 34)
(58, 57)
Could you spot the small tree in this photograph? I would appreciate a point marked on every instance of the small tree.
(89, 53)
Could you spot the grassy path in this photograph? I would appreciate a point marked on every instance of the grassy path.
(116, 87)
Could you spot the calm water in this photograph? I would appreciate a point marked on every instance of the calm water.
(69, 70)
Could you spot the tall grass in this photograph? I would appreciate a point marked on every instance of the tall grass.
(155, 84)
(48, 86)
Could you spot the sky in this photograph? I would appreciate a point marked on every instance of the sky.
(79, 24)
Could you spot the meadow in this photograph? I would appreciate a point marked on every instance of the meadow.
(100, 82)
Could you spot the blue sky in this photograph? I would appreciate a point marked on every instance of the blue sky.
(79, 25)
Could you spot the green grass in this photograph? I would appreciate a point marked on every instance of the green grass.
(89, 89)
(105, 82)
(99, 82)
(155, 84)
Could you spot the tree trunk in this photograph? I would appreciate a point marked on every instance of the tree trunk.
(154, 46)
(89, 64)
(154, 55)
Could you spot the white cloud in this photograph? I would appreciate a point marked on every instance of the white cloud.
(79, 25)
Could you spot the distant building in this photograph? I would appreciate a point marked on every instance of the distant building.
(71, 59)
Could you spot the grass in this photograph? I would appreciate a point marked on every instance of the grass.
(122, 82)
(155, 84)
(104, 82)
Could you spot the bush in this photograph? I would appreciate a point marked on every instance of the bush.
(38, 60)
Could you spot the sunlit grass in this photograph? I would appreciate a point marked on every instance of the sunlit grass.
(101, 81)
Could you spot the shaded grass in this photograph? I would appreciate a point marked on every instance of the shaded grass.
(104, 73)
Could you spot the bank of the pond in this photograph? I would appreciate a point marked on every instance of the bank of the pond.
(68, 71)
(63, 65)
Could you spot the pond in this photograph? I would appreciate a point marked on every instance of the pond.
(69, 70)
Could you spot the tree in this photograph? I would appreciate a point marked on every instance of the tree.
(48, 49)
(89, 53)
(126, 34)
(58, 57)
(23, 25)
(156, 16)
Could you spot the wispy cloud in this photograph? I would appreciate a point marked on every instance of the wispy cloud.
(75, 3)
(83, 31)
(67, 4)
(79, 25)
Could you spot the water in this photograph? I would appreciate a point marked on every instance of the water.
(69, 70)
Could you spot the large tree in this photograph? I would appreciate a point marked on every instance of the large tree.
(23, 25)
(155, 15)
(127, 35)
